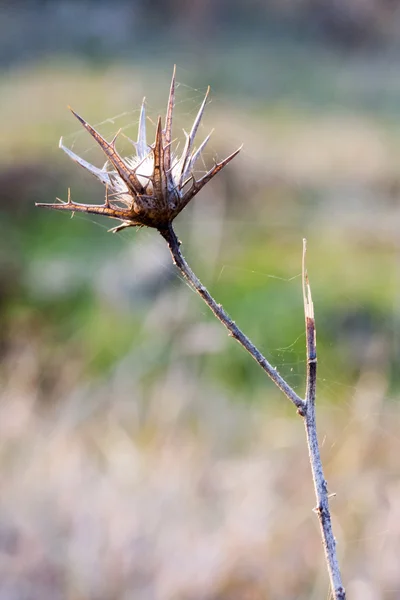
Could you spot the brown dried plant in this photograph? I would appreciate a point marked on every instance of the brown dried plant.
(150, 189)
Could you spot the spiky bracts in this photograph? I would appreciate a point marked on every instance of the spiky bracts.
(152, 187)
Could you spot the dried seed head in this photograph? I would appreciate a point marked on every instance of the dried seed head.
(152, 187)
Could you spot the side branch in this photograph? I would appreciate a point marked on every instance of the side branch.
(320, 485)
(174, 246)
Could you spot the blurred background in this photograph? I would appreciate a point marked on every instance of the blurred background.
(143, 454)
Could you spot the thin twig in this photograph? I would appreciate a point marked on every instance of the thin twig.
(306, 408)
(234, 331)
(320, 485)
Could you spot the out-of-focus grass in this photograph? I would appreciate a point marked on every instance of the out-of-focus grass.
(143, 454)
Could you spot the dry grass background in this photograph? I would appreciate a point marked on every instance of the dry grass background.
(178, 492)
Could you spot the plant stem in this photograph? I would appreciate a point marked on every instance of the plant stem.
(234, 331)
(306, 408)
(320, 485)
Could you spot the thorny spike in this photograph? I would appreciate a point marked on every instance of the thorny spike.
(168, 124)
(190, 138)
(159, 183)
(126, 175)
(181, 161)
(197, 185)
(112, 143)
(196, 155)
(99, 173)
(107, 211)
(123, 225)
(142, 148)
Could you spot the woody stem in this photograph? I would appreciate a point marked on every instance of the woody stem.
(174, 245)
(305, 408)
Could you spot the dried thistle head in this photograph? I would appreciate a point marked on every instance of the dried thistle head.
(153, 186)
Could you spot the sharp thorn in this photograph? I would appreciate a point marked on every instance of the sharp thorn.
(78, 117)
(115, 138)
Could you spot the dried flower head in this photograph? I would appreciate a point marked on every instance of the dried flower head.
(152, 187)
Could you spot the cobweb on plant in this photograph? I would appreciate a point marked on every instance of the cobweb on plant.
(187, 103)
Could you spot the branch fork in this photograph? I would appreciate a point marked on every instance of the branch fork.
(305, 407)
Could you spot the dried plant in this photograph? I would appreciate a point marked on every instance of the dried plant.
(150, 189)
